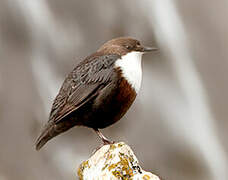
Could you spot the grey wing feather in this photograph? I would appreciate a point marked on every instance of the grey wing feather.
(82, 84)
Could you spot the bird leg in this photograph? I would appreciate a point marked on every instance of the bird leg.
(102, 137)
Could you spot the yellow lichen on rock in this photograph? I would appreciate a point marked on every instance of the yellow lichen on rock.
(81, 168)
(112, 162)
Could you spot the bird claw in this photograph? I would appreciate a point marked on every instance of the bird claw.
(107, 142)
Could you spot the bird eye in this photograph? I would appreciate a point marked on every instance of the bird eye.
(128, 47)
(138, 43)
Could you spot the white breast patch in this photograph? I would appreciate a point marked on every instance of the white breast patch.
(131, 67)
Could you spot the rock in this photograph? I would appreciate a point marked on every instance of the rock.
(113, 162)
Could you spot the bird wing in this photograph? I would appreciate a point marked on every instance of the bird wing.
(82, 84)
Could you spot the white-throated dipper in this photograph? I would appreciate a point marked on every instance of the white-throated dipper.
(99, 90)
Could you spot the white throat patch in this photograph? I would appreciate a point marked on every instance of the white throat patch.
(131, 67)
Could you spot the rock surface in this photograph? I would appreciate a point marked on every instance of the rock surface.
(113, 162)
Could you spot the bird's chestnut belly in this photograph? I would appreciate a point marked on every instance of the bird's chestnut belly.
(110, 106)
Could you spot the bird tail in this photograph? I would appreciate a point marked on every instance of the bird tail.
(48, 132)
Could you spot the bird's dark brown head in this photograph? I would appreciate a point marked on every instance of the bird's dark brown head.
(124, 45)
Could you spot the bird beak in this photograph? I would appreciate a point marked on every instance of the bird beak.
(149, 49)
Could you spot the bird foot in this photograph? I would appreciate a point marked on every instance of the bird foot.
(106, 142)
(96, 149)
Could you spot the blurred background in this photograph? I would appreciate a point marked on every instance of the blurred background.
(177, 126)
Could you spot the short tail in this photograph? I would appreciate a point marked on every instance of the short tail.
(47, 133)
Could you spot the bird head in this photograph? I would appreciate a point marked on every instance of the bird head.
(124, 45)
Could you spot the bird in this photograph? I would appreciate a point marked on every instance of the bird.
(98, 91)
